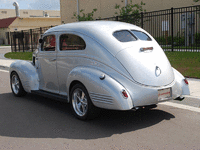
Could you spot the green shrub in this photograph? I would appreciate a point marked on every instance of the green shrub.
(178, 41)
(197, 39)
(83, 16)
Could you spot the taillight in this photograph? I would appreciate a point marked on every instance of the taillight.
(186, 81)
(124, 94)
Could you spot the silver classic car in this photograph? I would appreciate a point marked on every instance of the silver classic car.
(99, 64)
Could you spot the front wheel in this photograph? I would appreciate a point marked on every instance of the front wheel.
(16, 85)
(81, 104)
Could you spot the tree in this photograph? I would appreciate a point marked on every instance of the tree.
(130, 13)
(196, 0)
(85, 17)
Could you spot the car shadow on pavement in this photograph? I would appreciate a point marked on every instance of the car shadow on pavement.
(33, 116)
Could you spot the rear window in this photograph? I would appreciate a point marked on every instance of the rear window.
(124, 36)
(141, 35)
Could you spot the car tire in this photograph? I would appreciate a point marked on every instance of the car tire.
(16, 85)
(81, 104)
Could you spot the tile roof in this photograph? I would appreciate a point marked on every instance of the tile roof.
(4, 23)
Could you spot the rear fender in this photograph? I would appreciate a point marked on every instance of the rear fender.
(104, 93)
(179, 78)
(27, 74)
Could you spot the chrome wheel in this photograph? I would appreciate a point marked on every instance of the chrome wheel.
(15, 84)
(79, 102)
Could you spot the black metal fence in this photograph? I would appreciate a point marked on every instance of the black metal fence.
(26, 40)
(175, 29)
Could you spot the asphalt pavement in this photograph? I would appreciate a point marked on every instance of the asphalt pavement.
(33, 122)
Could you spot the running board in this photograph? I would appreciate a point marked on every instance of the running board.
(50, 95)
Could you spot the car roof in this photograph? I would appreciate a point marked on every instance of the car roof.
(100, 26)
(101, 31)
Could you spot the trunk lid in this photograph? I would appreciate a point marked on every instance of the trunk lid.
(147, 64)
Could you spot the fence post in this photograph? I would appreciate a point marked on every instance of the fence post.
(22, 38)
(31, 40)
(117, 18)
(40, 30)
(11, 41)
(14, 41)
(142, 15)
(172, 27)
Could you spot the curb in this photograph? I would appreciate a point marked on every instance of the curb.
(4, 68)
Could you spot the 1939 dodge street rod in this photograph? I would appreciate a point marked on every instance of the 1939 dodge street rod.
(99, 64)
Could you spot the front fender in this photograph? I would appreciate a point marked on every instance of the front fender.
(179, 78)
(106, 93)
(27, 74)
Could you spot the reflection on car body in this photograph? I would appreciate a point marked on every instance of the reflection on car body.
(99, 64)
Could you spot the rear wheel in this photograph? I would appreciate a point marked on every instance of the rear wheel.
(81, 104)
(16, 85)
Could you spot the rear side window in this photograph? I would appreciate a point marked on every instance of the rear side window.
(124, 36)
(141, 35)
(49, 43)
(71, 42)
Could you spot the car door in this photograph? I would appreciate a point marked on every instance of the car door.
(70, 54)
(47, 64)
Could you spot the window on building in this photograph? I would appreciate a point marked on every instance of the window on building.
(25, 12)
(71, 42)
(4, 12)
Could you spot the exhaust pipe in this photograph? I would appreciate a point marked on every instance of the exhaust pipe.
(16, 9)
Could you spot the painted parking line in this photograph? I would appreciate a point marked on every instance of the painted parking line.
(181, 106)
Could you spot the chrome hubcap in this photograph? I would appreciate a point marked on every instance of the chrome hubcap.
(15, 84)
(79, 102)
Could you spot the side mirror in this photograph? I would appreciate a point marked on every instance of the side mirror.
(40, 40)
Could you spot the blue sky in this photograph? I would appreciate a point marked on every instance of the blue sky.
(31, 4)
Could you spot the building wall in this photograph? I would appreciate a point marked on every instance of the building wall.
(7, 13)
(106, 8)
(25, 24)
(31, 23)
(3, 38)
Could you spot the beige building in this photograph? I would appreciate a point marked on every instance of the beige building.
(8, 13)
(106, 8)
(29, 19)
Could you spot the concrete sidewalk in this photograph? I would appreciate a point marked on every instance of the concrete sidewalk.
(194, 84)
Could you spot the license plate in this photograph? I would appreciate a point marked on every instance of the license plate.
(164, 94)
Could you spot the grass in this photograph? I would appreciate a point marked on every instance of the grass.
(4, 45)
(188, 63)
(182, 47)
(19, 55)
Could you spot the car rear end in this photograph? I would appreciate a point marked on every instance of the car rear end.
(154, 80)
